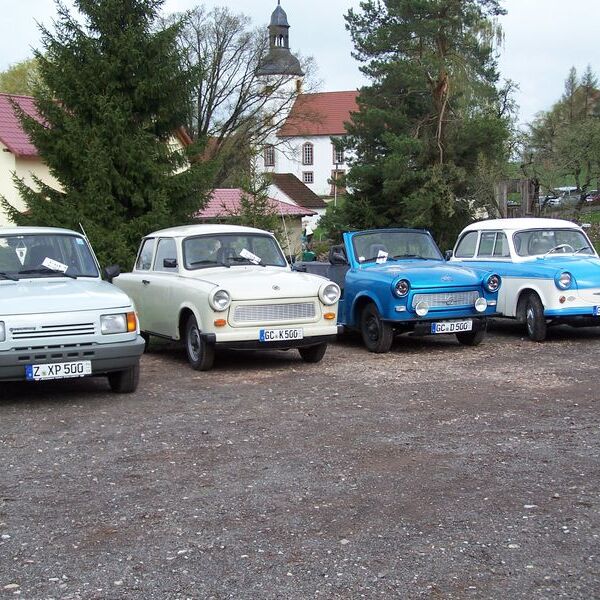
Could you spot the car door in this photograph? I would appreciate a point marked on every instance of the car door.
(159, 315)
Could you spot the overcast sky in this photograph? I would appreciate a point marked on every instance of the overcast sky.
(544, 38)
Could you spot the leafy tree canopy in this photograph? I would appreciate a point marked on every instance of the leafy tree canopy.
(20, 78)
(432, 111)
(113, 93)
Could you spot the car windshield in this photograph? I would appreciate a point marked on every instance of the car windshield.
(381, 246)
(535, 242)
(46, 255)
(229, 250)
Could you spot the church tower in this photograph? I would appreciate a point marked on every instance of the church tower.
(279, 60)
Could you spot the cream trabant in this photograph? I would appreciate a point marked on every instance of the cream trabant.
(58, 319)
(228, 286)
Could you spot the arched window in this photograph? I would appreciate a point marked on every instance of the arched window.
(307, 154)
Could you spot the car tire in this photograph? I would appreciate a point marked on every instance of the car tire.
(313, 354)
(146, 338)
(535, 322)
(471, 338)
(201, 355)
(126, 381)
(377, 335)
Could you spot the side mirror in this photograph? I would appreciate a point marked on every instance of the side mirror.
(170, 263)
(337, 258)
(110, 272)
(448, 254)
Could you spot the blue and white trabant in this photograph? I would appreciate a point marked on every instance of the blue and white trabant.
(396, 281)
(549, 268)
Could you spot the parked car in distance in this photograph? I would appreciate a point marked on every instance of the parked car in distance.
(396, 281)
(549, 267)
(225, 286)
(58, 319)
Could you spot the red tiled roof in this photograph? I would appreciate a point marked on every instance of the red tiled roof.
(11, 132)
(320, 114)
(300, 193)
(225, 202)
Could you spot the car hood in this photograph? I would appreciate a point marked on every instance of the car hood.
(586, 270)
(426, 273)
(31, 296)
(250, 282)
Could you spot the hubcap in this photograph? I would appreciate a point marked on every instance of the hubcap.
(530, 318)
(194, 343)
(373, 329)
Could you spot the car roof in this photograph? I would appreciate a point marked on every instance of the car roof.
(187, 230)
(19, 230)
(520, 223)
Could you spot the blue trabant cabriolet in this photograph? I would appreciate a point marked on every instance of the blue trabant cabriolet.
(549, 268)
(396, 281)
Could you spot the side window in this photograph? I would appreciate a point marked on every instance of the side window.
(466, 246)
(144, 260)
(166, 250)
(501, 245)
(486, 243)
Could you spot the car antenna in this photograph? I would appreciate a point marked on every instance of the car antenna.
(83, 231)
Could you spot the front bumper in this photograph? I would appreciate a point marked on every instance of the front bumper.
(248, 339)
(105, 357)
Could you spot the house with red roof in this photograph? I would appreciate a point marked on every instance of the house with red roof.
(226, 203)
(17, 154)
(303, 145)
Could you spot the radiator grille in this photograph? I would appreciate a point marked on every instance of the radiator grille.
(259, 313)
(55, 331)
(447, 300)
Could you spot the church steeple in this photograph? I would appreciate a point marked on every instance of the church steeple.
(279, 60)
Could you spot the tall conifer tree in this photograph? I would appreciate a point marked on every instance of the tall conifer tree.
(113, 93)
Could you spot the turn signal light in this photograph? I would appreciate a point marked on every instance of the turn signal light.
(131, 322)
(220, 322)
(329, 316)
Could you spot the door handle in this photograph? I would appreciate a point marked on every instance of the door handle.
(145, 282)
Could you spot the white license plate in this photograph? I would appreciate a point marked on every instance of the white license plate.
(280, 335)
(452, 326)
(78, 368)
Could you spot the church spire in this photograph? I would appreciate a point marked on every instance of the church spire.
(279, 60)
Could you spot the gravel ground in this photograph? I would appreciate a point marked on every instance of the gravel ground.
(435, 471)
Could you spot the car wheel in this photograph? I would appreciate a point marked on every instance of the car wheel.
(313, 354)
(377, 334)
(471, 338)
(146, 338)
(126, 381)
(535, 322)
(201, 355)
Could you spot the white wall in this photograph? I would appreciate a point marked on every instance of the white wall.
(288, 159)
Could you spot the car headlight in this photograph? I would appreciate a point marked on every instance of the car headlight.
(402, 288)
(481, 304)
(119, 323)
(219, 299)
(329, 293)
(422, 308)
(492, 283)
(2, 331)
(563, 280)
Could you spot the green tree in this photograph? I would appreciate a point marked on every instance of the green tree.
(20, 78)
(563, 144)
(113, 94)
(432, 111)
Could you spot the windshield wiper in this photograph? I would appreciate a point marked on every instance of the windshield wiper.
(8, 276)
(247, 261)
(399, 256)
(582, 248)
(209, 262)
(46, 271)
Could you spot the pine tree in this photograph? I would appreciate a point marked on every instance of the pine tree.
(431, 112)
(112, 94)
